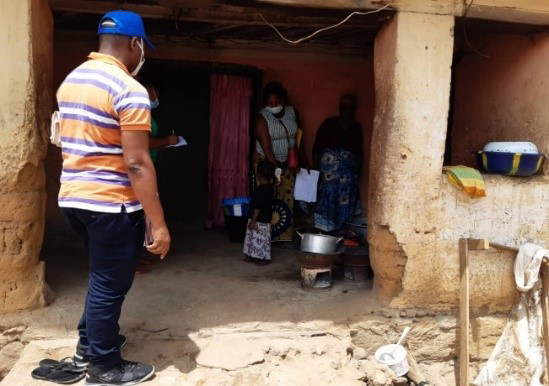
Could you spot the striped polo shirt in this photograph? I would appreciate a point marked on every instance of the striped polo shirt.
(96, 101)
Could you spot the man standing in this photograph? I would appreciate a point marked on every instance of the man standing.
(108, 181)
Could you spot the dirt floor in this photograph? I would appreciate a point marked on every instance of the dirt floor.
(205, 317)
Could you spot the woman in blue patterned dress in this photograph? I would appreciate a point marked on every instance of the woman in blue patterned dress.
(337, 154)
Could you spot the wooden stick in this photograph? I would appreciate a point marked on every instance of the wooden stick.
(415, 373)
(464, 313)
(545, 309)
(504, 247)
(473, 244)
(478, 244)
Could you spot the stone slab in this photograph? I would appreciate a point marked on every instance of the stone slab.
(230, 353)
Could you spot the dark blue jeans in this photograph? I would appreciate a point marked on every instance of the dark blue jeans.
(113, 241)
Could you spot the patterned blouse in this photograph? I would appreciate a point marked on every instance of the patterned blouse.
(277, 132)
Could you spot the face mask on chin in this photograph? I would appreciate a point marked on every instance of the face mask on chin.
(275, 110)
(141, 60)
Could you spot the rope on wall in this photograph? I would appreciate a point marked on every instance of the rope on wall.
(322, 29)
(464, 24)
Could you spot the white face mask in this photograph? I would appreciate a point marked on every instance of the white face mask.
(141, 61)
(275, 110)
(155, 103)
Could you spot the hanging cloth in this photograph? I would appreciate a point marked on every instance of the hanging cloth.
(229, 148)
(519, 356)
(467, 179)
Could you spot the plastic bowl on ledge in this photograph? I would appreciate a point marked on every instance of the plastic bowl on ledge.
(509, 164)
(511, 147)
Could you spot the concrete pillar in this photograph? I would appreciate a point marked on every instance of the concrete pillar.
(412, 66)
(25, 108)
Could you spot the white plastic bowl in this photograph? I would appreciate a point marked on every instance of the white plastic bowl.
(399, 363)
(511, 147)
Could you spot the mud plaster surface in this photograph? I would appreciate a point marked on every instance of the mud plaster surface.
(224, 321)
(415, 216)
(24, 118)
(502, 97)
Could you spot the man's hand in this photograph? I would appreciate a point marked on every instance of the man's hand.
(161, 241)
(135, 145)
(172, 139)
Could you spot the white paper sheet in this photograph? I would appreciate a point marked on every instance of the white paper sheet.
(180, 142)
(306, 185)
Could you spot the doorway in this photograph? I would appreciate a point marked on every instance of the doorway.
(185, 94)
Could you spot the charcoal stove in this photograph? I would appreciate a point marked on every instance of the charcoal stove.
(316, 270)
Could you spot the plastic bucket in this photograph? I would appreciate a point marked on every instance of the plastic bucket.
(236, 228)
(399, 364)
(236, 207)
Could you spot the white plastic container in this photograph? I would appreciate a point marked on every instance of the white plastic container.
(511, 147)
(399, 364)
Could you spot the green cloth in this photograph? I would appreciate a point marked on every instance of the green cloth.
(154, 134)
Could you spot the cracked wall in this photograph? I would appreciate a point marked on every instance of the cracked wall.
(415, 216)
(412, 59)
(25, 108)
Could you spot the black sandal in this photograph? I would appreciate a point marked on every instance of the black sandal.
(57, 375)
(67, 364)
(63, 372)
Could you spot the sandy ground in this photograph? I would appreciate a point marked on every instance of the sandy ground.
(204, 283)
(243, 324)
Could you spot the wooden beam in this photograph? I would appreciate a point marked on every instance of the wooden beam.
(515, 11)
(545, 308)
(215, 29)
(101, 7)
(336, 52)
(534, 12)
(464, 313)
(228, 15)
(504, 247)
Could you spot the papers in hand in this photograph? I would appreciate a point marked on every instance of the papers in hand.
(306, 185)
(148, 233)
(180, 142)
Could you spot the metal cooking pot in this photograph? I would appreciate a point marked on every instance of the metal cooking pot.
(317, 243)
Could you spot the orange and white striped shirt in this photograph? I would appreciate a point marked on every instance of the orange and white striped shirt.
(96, 101)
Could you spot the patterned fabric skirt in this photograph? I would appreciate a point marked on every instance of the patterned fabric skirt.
(257, 243)
(338, 195)
(285, 193)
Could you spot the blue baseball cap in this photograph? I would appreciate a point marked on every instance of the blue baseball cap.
(124, 23)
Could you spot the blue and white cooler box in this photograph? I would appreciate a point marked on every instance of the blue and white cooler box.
(237, 207)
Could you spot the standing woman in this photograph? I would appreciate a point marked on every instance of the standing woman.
(276, 129)
(337, 153)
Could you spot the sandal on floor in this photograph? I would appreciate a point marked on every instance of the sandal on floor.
(58, 374)
(66, 364)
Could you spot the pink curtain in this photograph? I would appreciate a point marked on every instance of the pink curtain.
(229, 142)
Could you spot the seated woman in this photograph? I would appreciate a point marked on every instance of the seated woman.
(337, 153)
(276, 129)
